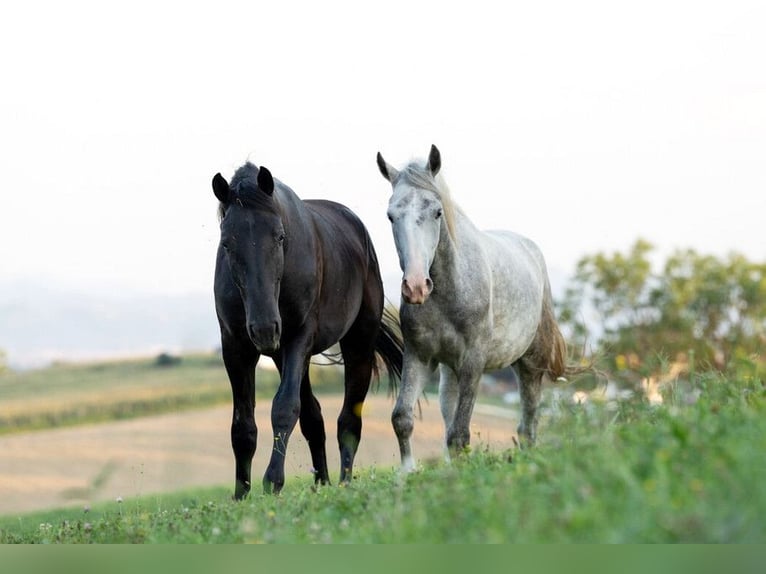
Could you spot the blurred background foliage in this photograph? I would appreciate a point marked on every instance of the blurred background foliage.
(692, 312)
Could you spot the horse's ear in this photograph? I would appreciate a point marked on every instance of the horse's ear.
(388, 172)
(221, 188)
(265, 181)
(434, 160)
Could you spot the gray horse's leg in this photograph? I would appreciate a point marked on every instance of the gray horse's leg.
(414, 376)
(546, 357)
(530, 385)
(459, 432)
(448, 393)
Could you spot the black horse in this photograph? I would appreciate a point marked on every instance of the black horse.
(293, 278)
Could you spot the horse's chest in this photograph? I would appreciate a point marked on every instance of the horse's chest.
(434, 336)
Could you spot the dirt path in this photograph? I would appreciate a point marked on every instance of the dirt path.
(82, 465)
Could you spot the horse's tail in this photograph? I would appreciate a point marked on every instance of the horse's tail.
(389, 346)
(558, 366)
(556, 347)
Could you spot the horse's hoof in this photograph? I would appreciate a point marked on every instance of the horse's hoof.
(408, 466)
(271, 487)
(241, 490)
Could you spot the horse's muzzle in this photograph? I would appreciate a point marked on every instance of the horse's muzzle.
(265, 338)
(416, 292)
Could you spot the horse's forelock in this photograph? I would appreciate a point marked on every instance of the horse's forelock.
(416, 175)
(245, 178)
(244, 184)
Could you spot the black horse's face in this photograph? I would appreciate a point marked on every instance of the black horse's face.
(252, 242)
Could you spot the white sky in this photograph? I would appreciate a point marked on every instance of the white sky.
(583, 125)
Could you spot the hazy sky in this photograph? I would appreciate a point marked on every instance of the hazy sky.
(583, 125)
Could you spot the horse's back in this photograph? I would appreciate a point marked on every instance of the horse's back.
(519, 281)
(351, 284)
(341, 231)
(510, 252)
(334, 217)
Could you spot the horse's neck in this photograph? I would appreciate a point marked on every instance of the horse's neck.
(455, 256)
(291, 208)
(296, 220)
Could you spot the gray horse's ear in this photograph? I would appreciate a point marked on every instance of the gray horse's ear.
(265, 181)
(221, 188)
(434, 160)
(388, 172)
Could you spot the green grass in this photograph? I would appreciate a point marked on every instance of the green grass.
(634, 473)
(68, 394)
(71, 394)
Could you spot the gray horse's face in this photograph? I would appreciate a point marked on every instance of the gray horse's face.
(416, 219)
(415, 211)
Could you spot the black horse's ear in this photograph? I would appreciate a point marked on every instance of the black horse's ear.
(221, 188)
(265, 181)
(434, 160)
(388, 172)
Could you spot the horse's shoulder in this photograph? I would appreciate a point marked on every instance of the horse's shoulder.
(322, 204)
(337, 225)
(326, 208)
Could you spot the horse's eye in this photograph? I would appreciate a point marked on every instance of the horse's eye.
(281, 237)
(438, 213)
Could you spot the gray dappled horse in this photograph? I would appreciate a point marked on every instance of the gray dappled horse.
(472, 301)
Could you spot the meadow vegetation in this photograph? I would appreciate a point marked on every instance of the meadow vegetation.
(682, 463)
(67, 394)
(687, 470)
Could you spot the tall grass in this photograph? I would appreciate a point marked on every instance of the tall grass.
(684, 471)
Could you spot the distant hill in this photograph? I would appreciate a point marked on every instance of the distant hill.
(40, 324)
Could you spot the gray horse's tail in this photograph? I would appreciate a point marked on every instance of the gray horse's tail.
(389, 347)
(556, 347)
(553, 341)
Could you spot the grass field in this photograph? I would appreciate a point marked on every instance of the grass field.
(684, 471)
(70, 394)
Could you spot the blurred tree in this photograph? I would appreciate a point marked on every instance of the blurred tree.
(715, 308)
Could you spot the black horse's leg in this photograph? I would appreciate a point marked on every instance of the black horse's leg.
(358, 357)
(312, 427)
(285, 410)
(240, 366)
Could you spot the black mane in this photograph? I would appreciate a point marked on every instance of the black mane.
(245, 191)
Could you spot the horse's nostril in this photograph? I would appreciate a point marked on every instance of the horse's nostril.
(265, 337)
(429, 284)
